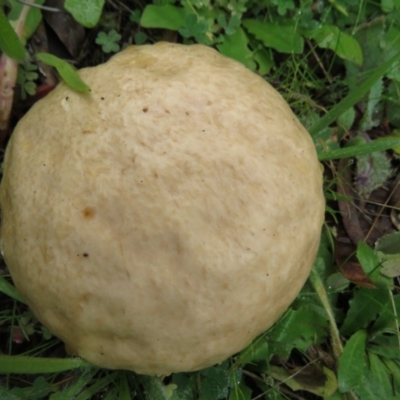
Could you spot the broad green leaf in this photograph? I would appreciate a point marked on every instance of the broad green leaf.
(165, 17)
(257, 350)
(367, 258)
(280, 37)
(66, 71)
(386, 346)
(346, 120)
(186, 386)
(9, 40)
(154, 388)
(370, 118)
(214, 383)
(86, 12)
(10, 290)
(358, 150)
(389, 317)
(364, 307)
(298, 329)
(311, 378)
(352, 362)
(378, 382)
(240, 392)
(390, 264)
(236, 46)
(393, 367)
(344, 45)
(372, 171)
(389, 244)
(353, 97)
(263, 57)
(37, 365)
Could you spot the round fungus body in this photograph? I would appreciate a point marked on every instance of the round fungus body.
(162, 221)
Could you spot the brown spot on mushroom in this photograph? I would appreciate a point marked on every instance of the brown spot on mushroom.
(88, 212)
(145, 109)
(85, 254)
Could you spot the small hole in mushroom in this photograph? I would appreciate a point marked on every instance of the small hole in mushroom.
(85, 254)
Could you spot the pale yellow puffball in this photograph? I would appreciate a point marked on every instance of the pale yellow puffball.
(164, 220)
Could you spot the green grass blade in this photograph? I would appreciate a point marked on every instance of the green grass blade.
(367, 148)
(10, 290)
(66, 71)
(353, 97)
(100, 384)
(9, 40)
(37, 365)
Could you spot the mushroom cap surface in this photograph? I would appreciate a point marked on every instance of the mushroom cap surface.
(162, 221)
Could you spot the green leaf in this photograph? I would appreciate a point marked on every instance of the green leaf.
(320, 381)
(66, 71)
(240, 392)
(100, 383)
(386, 346)
(297, 329)
(262, 56)
(86, 12)
(358, 150)
(36, 365)
(389, 244)
(123, 387)
(370, 119)
(9, 40)
(344, 45)
(215, 382)
(364, 307)
(366, 256)
(155, 389)
(82, 380)
(164, 17)
(377, 383)
(352, 362)
(108, 41)
(354, 96)
(236, 46)
(281, 38)
(186, 386)
(389, 317)
(10, 290)
(30, 21)
(372, 171)
(390, 264)
(393, 368)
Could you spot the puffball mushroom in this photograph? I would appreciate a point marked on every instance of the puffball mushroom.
(164, 220)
